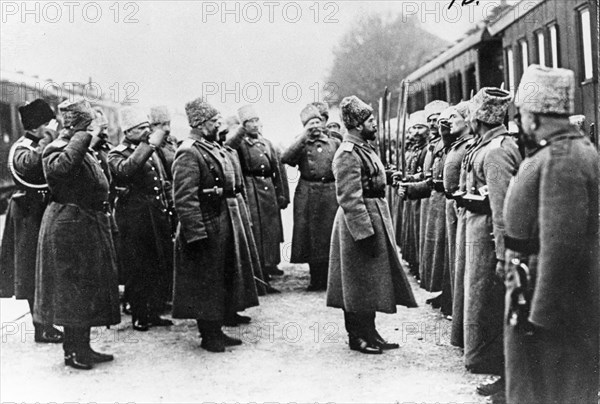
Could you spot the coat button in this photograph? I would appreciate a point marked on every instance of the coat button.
(266, 188)
(155, 178)
(156, 188)
(158, 197)
(153, 169)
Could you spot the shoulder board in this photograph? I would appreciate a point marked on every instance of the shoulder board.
(347, 146)
(59, 143)
(25, 142)
(228, 148)
(120, 148)
(187, 143)
(497, 142)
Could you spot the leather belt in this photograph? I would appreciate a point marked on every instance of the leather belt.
(259, 174)
(373, 194)
(526, 246)
(220, 192)
(98, 206)
(439, 186)
(320, 180)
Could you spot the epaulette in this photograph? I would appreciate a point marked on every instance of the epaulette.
(187, 143)
(59, 143)
(347, 146)
(120, 148)
(25, 142)
(497, 142)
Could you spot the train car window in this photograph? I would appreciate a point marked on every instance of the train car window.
(510, 68)
(524, 46)
(586, 43)
(553, 30)
(5, 122)
(541, 47)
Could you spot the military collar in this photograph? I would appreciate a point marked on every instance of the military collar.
(253, 140)
(493, 133)
(554, 136)
(461, 140)
(357, 140)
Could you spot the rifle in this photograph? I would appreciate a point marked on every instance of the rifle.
(401, 117)
(380, 125)
(388, 134)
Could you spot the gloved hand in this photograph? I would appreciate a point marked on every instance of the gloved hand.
(501, 269)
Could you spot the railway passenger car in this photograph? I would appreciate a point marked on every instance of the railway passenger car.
(556, 33)
(17, 89)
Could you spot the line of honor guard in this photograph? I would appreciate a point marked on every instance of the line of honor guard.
(504, 225)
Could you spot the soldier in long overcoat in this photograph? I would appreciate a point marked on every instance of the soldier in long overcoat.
(213, 260)
(25, 210)
(455, 215)
(315, 204)
(365, 274)
(264, 186)
(142, 214)
(551, 218)
(490, 166)
(76, 269)
(410, 246)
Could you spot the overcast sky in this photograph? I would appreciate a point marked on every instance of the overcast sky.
(276, 54)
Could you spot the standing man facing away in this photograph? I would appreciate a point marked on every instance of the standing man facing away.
(552, 263)
(365, 274)
(315, 203)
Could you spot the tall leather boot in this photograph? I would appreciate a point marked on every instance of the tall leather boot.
(45, 333)
(95, 357)
(76, 351)
(211, 334)
(374, 336)
(358, 333)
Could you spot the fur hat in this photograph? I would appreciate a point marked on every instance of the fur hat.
(323, 109)
(545, 90)
(489, 105)
(309, 112)
(132, 117)
(417, 118)
(35, 114)
(435, 107)
(463, 109)
(246, 113)
(159, 114)
(354, 111)
(199, 111)
(446, 113)
(77, 113)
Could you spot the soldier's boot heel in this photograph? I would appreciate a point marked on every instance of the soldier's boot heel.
(212, 342)
(48, 334)
(79, 361)
(362, 345)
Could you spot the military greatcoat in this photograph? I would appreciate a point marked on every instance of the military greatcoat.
(455, 228)
(265, 190)
(365, 273)
(214, 278)
(315, 203)
(491, 165)
(76, 269)
(551, 216)
(23, 218)
(141, 213)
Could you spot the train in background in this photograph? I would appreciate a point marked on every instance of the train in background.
(553, 33)
(16, 89)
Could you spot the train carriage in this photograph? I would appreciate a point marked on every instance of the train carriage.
(556, 33)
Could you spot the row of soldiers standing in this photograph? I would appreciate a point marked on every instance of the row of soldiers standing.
(512, 244)
(88, 217)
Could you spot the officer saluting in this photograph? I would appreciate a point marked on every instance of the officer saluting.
(551, 217)
(25, 211)
(213, 272)
(142, 216)
(315, 204)
(365, 274)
